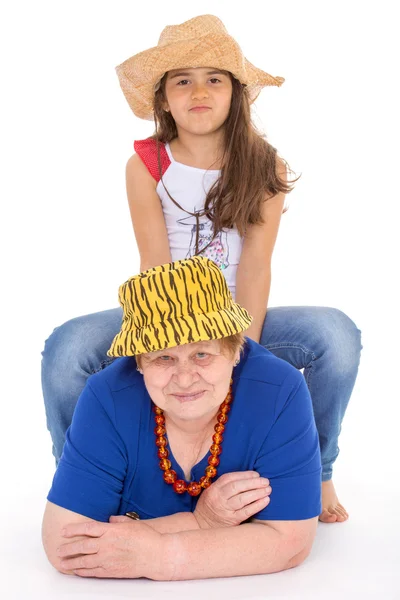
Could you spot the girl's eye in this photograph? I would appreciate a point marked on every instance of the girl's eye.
(184, 81)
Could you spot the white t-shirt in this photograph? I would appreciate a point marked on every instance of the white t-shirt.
(189, 187)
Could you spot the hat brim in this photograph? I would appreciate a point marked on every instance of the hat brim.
(139, 74)
(186, 329)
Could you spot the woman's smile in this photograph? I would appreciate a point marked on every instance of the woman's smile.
(188, 397)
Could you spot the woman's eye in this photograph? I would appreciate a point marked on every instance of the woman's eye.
(182, 81)
(215, 79)
(202, 355)
(165, 358)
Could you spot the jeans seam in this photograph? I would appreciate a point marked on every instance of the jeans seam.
(307, 374)
(103, 365)
(289, 345)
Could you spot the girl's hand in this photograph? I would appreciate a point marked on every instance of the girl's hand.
(121, 549)
(232, 499)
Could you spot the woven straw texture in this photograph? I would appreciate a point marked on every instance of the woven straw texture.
(200, 42)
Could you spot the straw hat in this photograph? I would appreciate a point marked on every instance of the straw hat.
(177, 303)
(200, 42)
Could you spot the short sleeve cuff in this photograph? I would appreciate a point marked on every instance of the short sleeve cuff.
(293, 498)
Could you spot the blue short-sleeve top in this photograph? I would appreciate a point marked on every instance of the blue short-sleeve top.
(110, 466)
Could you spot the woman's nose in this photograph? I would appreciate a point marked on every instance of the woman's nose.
(185, 376)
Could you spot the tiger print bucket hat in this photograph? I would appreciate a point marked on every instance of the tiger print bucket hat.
(174, 304)
(200, 42)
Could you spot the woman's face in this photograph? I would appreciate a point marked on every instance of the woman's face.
(188, 382)
(188, 89)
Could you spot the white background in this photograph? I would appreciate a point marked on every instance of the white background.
(67, 244)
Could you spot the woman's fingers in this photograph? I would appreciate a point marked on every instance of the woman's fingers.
(239, 501)
(238, 486)
(89, 528)
(96, 572)
(88, 546)
(251, 509)
(236, 476)
(119, 519)
(87, 561)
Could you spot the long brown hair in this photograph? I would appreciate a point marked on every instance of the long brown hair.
(248, 175)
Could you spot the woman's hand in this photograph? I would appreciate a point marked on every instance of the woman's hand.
(120, 549)
(232, 499)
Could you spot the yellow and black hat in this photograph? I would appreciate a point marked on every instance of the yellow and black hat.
(177, 303)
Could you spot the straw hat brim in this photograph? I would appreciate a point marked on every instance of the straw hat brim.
(132, 341)
(139, 74)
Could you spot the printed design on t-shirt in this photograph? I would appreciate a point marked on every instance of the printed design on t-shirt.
(217, 251)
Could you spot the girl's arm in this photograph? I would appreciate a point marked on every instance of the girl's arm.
(253, 277)
(147, 215)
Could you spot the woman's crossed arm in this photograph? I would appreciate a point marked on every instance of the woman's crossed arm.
(77, 545)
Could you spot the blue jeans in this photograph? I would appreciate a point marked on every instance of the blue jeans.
(322, 341)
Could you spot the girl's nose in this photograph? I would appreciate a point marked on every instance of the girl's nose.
(199, 91)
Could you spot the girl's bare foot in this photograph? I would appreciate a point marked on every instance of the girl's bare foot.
(332, 510)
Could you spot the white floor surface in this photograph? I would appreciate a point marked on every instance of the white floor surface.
(358, 559)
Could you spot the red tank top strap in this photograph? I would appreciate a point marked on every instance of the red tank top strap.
(147, 150)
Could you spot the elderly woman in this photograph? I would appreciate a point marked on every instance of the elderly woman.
(186, 434)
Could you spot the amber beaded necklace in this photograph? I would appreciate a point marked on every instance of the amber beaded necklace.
(180, 486)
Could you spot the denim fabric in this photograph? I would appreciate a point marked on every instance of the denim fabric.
(322, 341)
(327, 345)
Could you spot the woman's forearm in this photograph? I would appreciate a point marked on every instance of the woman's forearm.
(248, 549)
(184, 521)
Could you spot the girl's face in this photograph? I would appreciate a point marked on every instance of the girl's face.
(188, 382)
(198, 99)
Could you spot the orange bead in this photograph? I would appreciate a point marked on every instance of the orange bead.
(205, 482)
(180, 486)
(170, 476)
(194, 488)
(213, 461)
(162, 452)
(165, 464)
(211, 471)
(215, 449)
(160, 430)
(219, 428)
(161, 441)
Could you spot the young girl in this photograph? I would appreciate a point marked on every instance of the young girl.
(208, 183)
